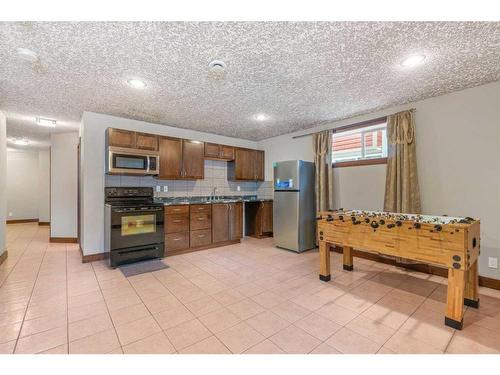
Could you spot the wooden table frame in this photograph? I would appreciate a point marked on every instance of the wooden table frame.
(463, 278)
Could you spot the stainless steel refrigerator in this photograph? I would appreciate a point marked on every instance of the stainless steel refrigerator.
(294, 221)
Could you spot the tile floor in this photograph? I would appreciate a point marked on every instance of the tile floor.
(245, 298)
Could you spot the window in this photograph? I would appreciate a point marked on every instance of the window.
(360, 144)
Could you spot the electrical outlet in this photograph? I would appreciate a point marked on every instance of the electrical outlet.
(165, 188)
(493, 262)
(238, 188)
(11, 214)
(158, 188)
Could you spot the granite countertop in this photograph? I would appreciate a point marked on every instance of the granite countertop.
(209, 200)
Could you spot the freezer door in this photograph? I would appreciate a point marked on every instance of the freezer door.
(286, 175)
(286, 220)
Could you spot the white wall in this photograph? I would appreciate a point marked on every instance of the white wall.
(458, 151)
(3, 177)
(63, 182)
(44, 185)
(92, 131)
(22, 184)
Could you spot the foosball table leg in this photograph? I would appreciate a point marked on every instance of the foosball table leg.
(347, 258)
(471, 294)
(455, 298)
(324, 261)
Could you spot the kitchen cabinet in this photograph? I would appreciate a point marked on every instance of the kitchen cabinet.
(218, 152)
(121, 138)
(259, 219)
(220, 222)
(201, 237)
(193, 160)
(200, 216)
(181, 159)
(176, 228)
(248, 165)
(235, 221)
(146, 141)
(170, 158)
(227, 222)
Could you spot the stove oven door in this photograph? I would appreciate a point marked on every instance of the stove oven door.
(136, 226)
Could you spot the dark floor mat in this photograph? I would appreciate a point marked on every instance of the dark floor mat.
(142, 267)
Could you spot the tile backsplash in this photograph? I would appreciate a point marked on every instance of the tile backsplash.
(215, 177)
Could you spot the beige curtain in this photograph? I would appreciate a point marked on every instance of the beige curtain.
(322, 147)
(402, 193)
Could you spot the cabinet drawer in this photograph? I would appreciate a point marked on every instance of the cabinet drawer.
(184, 209)
(200, 208)
(176, 223)
(200, 221)
(200, 237)
(176, 241)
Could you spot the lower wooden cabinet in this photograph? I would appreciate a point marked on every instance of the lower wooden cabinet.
(176, 241)
(201, 237)
(259, 219)
(265, 217)
(201, 225)
(235, 221)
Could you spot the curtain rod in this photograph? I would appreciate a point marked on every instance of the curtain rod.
(352, 126)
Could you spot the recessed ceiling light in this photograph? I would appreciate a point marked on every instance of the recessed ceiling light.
(413, 60)
(46, 122)
(137, 83)
(20, 141)
(261, 117)
(27, 55)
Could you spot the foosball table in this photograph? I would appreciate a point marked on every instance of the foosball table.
(450, 242)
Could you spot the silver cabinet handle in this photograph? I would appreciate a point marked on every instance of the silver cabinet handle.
(200, 218)
(177, 239)
(176, 221)
(176, 209)
(201, 235)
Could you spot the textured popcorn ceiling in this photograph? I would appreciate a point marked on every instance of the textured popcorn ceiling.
(299, 74)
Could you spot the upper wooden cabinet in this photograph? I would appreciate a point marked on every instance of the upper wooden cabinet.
(193, 160)
(219, 152)
(170, 158)
(121, 138)
(146, 141)
(181, 159)
(131, 139)
(248, 165)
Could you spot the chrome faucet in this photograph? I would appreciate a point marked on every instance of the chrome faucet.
(214, 193)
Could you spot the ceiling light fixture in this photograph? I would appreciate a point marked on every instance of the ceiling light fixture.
(413, 60)
(261, 117)
(27, 55)
(20, 141)
(137, 83)
(46, 122)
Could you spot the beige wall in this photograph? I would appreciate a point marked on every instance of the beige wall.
(22, 184)
(44, 185)
(458, 151)
(63, 183)
(3, 176)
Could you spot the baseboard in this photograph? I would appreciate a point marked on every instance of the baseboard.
(44, 223)
(92, 257)
(3, 257)
(425, 268)
(19, 221)
(64, 239)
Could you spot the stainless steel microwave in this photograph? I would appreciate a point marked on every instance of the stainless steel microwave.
(120, 160)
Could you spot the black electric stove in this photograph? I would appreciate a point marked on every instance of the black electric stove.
(133, 225)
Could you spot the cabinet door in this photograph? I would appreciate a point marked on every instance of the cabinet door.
(243, 164)
(220, 222)
(258, 165)
(212, 150)
(121, 138)
(147, 141)
(226, 152)
(193, 159)
(170, 158)
(267, 217)
(235, 221)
